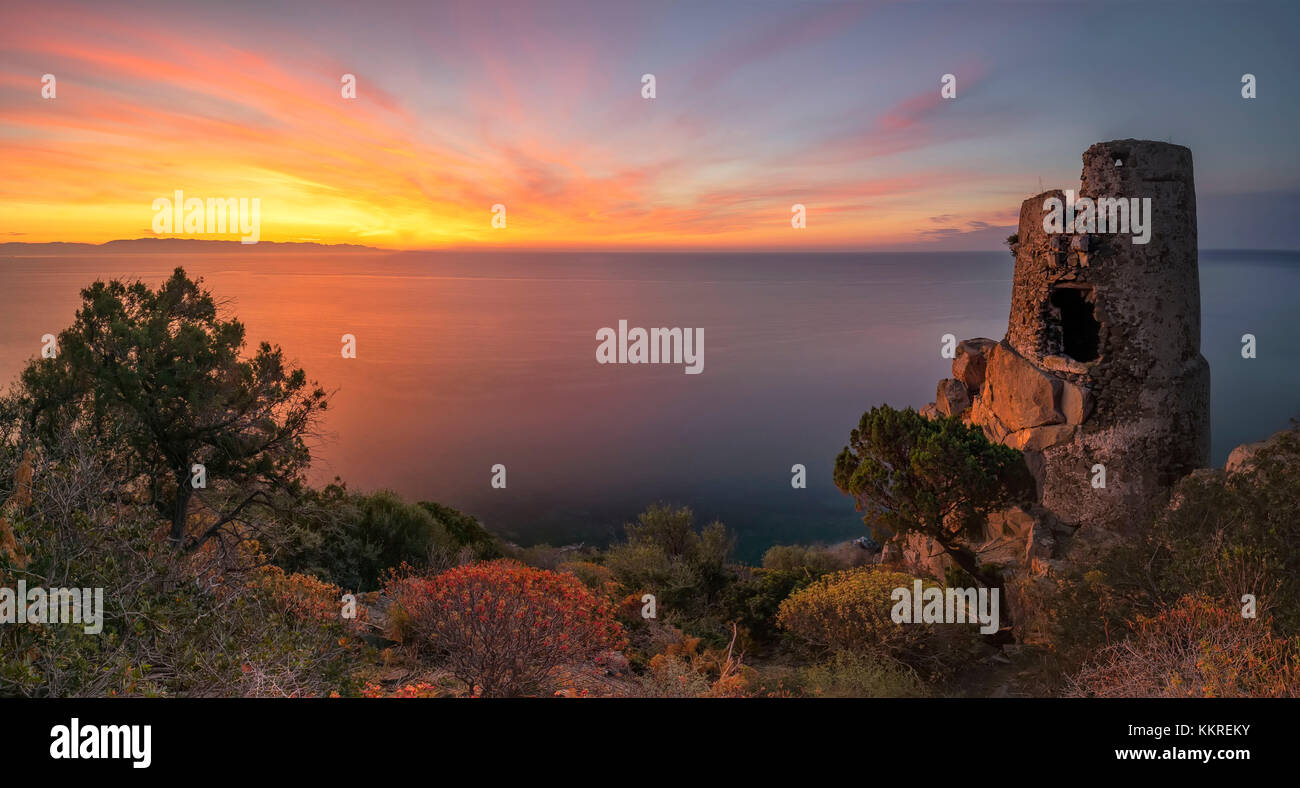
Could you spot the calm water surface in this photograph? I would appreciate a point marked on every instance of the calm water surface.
(468, 360)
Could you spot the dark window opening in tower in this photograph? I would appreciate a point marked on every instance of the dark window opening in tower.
(1080, 331)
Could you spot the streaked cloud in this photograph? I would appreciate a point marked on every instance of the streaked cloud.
(461, 106)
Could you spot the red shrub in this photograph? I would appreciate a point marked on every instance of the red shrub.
(504, 628)
(1198, 648)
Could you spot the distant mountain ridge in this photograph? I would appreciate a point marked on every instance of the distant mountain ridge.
(169, 245)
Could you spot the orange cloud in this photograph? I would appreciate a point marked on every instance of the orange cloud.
(144, 111)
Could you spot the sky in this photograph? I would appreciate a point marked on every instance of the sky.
(758, 106)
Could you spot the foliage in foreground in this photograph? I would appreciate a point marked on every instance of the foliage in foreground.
(174, 624)
(937, 477)
(1197, 648)
(92, 447)
(156, 378)
(850, 611)
(503, 628)
(352, 539)
(1234, 534)
(850, 675)
(1223, 537)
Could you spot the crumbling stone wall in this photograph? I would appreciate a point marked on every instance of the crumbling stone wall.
(1140, 405)
(1136, 403)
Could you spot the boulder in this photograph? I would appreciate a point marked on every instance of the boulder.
(1011, 523)
(1240, 458)
(866, 543)
(929, 411)
(1065, 364)
(1039, 438)
(1018, 539)
(1019, 393)
(982, 416)
(951, 398)
(971, 360)
(1076, 403)
(923, 556)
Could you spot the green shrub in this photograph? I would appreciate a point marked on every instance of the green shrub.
(1230, 535)
(797, 557)
(686, 569)
(850, 675)
(466, 531)
(936, 477)
(350, 539)
(850, 611)
(202, 624)
(754, 599)
(594, 576)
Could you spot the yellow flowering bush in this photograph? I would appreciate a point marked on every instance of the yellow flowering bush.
(850, 611)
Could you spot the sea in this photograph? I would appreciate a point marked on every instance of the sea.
(470, 360)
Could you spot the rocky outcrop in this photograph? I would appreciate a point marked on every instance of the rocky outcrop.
(1075, 403)
(1100, 371)
(1040, 438)
(1022, 539)
(921, 555)
(1019, 394)
(971, 361)
(1101, 364)
(952, 398)
(1242, 457)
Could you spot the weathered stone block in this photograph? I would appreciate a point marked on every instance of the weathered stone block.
(1076, 403)
(1011, 523)
(951, 398)
(1019, 393)
(981, 416)
(1241, 458)
(971, 361)
(1039, 438)
(1065, 364)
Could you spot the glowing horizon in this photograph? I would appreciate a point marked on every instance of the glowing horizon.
(460, 108)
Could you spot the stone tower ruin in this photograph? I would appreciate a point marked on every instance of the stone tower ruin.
(1101, 364)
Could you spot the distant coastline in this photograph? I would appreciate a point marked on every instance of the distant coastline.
(208, 246)
(164, 246)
